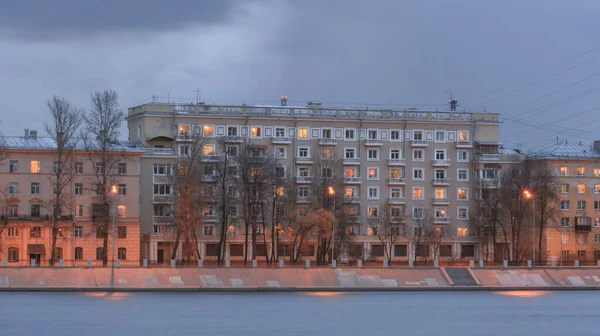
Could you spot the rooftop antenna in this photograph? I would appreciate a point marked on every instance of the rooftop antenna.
(197, 95)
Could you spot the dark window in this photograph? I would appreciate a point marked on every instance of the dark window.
(445, 250)
(356, 250)
(79, 253)
(236, 250)
(212, 250)
(308, 250)
(13, 254)
(99, 253)
(468, 251)
(422, 251)
(100, 233)
(260, 250)
(122, 253)
(284, 250)
(377, 251)
(35, 210)
(400, 250)
(122, 232)
(35, 232)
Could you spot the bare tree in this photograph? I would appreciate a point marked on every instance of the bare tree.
(7, 201)
(545, 190)
(422, 226)
(65, 120)
(390, 227)
(3, 151)
(100, 134)
(226, 191)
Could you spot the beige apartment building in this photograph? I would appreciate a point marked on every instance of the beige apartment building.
(416, 161)
(26, 177)
(576, 233)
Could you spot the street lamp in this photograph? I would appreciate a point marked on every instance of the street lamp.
(529, 195)
(332, 193)
(114, 191)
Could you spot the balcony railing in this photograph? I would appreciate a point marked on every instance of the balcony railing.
(396, 162)
(303, 159)
(418, 143)
(441, 201)
(327, 142)
(441, 220)
(210, 158)
(441, 181)
(162, 229)
(353, 161)
(33, 218)
(373, 142)
(162, 219)
(209, 178)
(303, 179)
(583, 227)
(302, 199)
(397, 200)
(399, 180)
(442, 162)
(352, 180)
(209, 218)
(464, 144)
(234, 139)
(349, 199)
(281, 140)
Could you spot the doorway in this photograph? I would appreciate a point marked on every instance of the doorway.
(37, 258)
(160, 256)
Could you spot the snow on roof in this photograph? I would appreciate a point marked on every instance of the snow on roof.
(47, 143)
(571, 150)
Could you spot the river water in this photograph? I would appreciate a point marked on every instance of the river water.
(399, 313)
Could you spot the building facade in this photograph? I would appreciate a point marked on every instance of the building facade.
(27, 209)
(412, 162)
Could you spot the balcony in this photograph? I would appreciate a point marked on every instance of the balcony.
(352, 162)
(281, 140)
(162, 199)
(373, 143)
(327, 142)
(210, 158)
(162, 219)
(234, 139)
(209, 178)
(352, 218)
(583, 227)
(441, 201)
(352, 180)
(396, 162)
(441, 181)
(162, 230)
(464, 144)
(484, 157)
(185, 137)
(303, 179)
(397, 200)
(441, 163)
(209, 218)
(30, 218)
(349, 199)
(396, 181)
(304, 160)
(441, 220)
(418, 143)
(303, 199)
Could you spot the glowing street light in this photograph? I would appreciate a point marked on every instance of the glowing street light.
(331, 192)
(529, 195)
(113, 190)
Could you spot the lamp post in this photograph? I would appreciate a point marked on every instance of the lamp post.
(529, 195)
(113, 191)
(332, 193)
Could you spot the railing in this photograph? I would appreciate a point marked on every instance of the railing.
(33, 218)
(373, 142)
(397, 200)
(234, 138)
(399, 180)
(396, 162)
(281, 140)
(464, 144)
(442, 162)
(351, 199)
(209, 178)
(302, 199)
(162, 219)
(209, 218)
(583, 228)
(441, 181)
(303, 179)
(441, 201)
(352, 180)
(352, 161)
(327, 142)
(159, 151)
(209, 158)
(304, 159)
(443, 220)
(418, 143)
(160, 229)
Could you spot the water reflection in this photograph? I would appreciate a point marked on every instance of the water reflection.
(524, 294)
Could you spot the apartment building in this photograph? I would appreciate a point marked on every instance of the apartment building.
(415, 161)
(576, 233)
(26, 179)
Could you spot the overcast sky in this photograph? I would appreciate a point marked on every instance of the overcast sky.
(537, 62)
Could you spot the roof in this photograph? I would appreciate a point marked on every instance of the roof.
(582, 150)
(47, 143)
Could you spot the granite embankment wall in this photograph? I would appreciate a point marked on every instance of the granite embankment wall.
(290, 279)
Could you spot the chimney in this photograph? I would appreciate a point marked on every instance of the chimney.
(597, 145)
(33, 134)
(314, 104)
(26, 133)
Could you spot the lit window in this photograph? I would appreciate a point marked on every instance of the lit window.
(463, 194)
(121, 211)
(35, 167)
(462, 232)
(440, 213)
(373, 212)
(256, 131)
(417, 193)
(303, 133)
(564, 171)
(440, 193)
(373, 174)
(581, 188)
(280, 191)
(184, 130)
(327, 153)
(349, 192)
(463, 136)
(209, 150)
(581, 171)
(463, 213)
(597, 188)
(350, 172)
(280, 152)
(396, 173)
(596, 172)
(209, 130)
(564, 188)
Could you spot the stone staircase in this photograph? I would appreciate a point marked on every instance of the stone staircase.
(461, 276)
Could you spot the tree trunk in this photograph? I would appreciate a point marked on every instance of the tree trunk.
(176, 245)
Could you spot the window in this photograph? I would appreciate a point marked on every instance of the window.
(303, 133)
(78, 168)
(596, 172)
(418, 213)
(395, 154)
(58, 254)
(440, 136)
(349, 134)
(13, 166)
(373, 193)
(396, 172)
(463, 194)
(417, 155)
(418, 174)
(596, 205)
(79, 253)
(580, 171)
(280, 153)
(78, 188)
(207, 230)
(208, 150)
(12, 232)
(462, 213)
(564, 171)
(162, 189)
(373, 212)
(303, 191)
(184, 150)
(99, 167)
(231, 151)
(256, 131)
(564, 205)
(303, 152)
(279, 172)
(564, 238)
(327, 153)
(418, 135)
(564, 188)
(418, 193)
(122, 189)
(121, 211)
(580, 205)
(373, 154)
(463, 174)
(13, 254)
(440, 213)
(13, 188)
(209, 131)
(395, 135)
(279, 132)
(373, 173)
(597, 238)
(122, 232)
(35, 232)
(349, 153)
(122, 168)
(35, 188)
(596, 188)
(35, 210)
(78, 210)
(303, 172)
(440, 193)
(372, 135)
(55, 167)
(396, 212)
(184, 129)
(463, 136)
(350, 192)
(462, 232)
(99, 253)
(396, 192)
(122, 253)
(463, 156)
(440, 174)
(582, 238)
(232, 131)
(350, 172)
(162, 169)
(440, 154)
(581, 188)
(79, 232)
(35, 167)
(326, 133)
(564, 221)
(13, 211)
(98, 189)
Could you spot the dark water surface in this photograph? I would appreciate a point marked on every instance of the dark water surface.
(443, 313)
